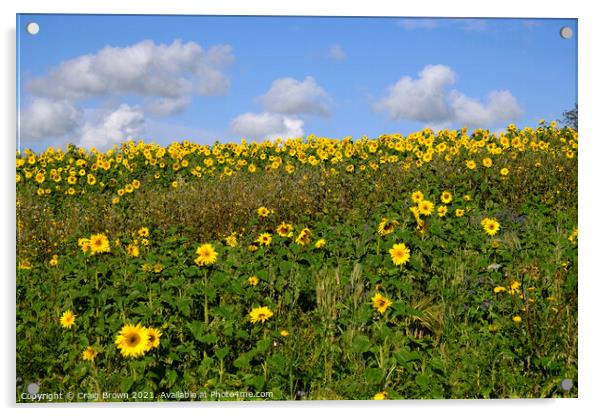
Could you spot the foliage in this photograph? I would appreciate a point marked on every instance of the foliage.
(215, 247)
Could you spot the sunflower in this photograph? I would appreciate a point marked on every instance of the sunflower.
(490, 225)
(206, 255)
(504, 171)
(54, 261)
(263, 212)
(320, 243)
(264, 239)
(387, 226)
(499, 289)
(132, 250)
(400, 254)
(154, 336)
(417, 196)
(446, 197)
(380, 303)
(284, 229)
(487, 162)
(143, 232)
(514, 287)
(231, 240)
(517, 319)
(84, 243)
(459, 212)
(470, 164)
(441, 211)
(381, 395)
(303, 238)
(68, 319)
(284, 333)
(253, 280)
(132, 340)
(261, 314)
(89, 354)
(99, 243)
(425, 207)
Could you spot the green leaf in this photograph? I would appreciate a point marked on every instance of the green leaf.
(244, 361)
(373, 375)
(256, 381)
(209, 339)
(222, 352)
(360, 344)
(197, 329)
(126, 384)
(422, 380)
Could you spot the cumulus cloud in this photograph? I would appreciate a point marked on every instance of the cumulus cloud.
(175, 71)
(419, 23)
(423, 99)
(428, 100)
(48, 118)
(423, 23)
(336, 52)
(266, 126)
(500, 106)
(112, 128)
(293, 97)
(166, 105)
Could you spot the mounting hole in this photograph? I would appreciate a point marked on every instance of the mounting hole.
(32, 28)
(566, 32)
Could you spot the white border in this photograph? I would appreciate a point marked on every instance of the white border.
(589, 172)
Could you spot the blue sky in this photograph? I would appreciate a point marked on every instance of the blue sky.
(95, 80)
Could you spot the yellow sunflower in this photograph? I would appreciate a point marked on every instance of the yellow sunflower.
(442, 211)
(132, 340)
(320, 243)
(253, 280)
(417, 196)
(490, 225)
(132, 250)
(260, 314)
(425, 207)
(387, 226)
(400, 254)
(264, 239)
(263, 212)
(284, 229)
(143, 232)
(382, 395)
(99, 243)
(303, 238)
(206, 255)
(446, 197)
(68, 319)
(154, 337)
(380, 303)
(89, 354)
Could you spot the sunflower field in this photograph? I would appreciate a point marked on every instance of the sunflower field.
(433, 265)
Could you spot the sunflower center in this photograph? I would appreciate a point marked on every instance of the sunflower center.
(261, 316)
(133, 340)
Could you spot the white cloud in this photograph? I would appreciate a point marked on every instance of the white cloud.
(112, 128)
(175, 71)
(418, 23)
(427, 99)
(44, 118)
(293, 97)
(266, 126)
(422, 99)
(166, 105)
(336, 52)
(501, 106)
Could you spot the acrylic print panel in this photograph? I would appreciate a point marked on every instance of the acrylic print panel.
(295, 208)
